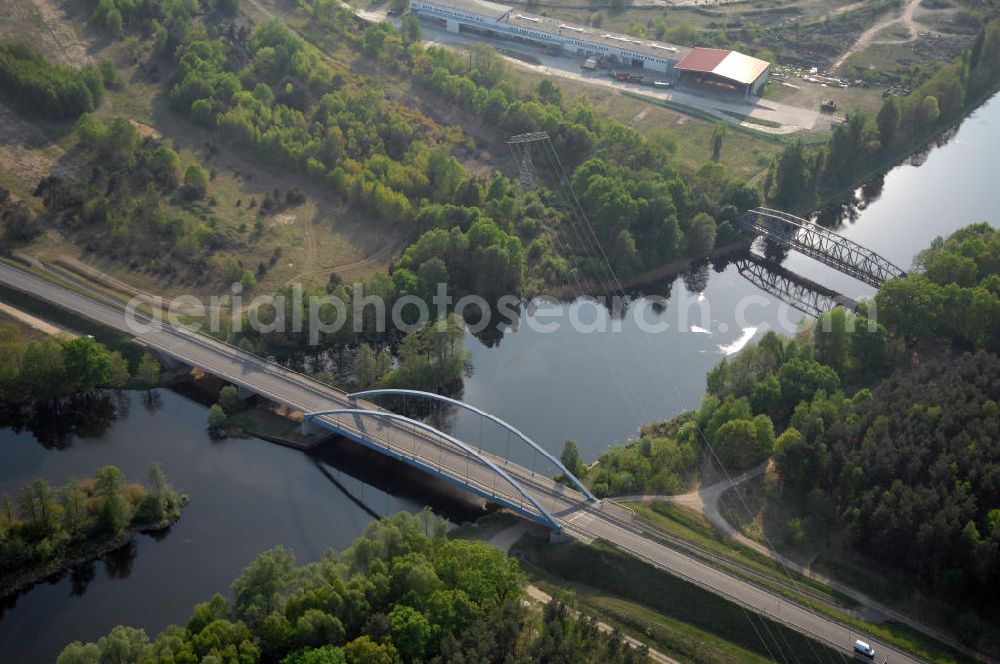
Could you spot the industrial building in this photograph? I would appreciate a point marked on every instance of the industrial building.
(723, 68)
(505, 22)
(704, 66)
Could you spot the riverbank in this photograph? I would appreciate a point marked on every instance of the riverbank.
(656, 275)
(897, 158)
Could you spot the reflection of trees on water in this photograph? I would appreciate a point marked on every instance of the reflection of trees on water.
(152, 401)
(696, 277)
(773, 252)
(847, 210)
(918, 158)
(54, 424)
(498, 322)
(118, 563)
(80, 577)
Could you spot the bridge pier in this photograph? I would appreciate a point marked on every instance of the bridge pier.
(558, 537)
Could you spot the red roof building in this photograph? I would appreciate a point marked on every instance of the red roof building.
(723, 67)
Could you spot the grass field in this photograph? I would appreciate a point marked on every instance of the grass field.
(694, 624)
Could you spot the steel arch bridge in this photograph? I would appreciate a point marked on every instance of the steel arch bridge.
(510, 429)
(330, 420)
(820, 243)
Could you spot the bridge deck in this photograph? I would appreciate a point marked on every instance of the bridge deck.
(579, 518)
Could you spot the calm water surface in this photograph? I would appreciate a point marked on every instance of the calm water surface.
(597, 388)
(247, 495)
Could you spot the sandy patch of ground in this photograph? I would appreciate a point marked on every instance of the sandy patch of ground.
(45, 26)
(145, 130)
(36, 323)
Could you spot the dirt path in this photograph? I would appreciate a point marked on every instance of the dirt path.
(506, 538)
(868, 37)
(541, 597)
(705, 501)
(36, 323)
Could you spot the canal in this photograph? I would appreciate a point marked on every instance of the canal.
(596, 387)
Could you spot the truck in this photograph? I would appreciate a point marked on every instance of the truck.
(590, 63)
(625, 76)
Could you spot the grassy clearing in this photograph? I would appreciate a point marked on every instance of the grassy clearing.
(694, 528)
(745, 155)
(694, 622)
(27, 331)
(305, 243)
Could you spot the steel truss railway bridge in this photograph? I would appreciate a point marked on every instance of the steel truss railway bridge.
(821, 243)
(570, 513)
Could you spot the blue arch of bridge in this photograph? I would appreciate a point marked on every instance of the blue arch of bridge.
(544, 516)
(508, 427)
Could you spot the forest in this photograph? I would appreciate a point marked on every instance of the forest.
(889, 431)
(800, 177)
(666, 458)
(284, 100)
(402, 592)
(889, 428)
(50, 90)
(42, 370)
(48, 528)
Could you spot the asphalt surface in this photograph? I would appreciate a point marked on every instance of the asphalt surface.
(578, 518)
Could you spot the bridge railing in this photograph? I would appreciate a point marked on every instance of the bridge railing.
(511, 430)
(470, 455)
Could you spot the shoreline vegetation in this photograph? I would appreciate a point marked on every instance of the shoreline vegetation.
(887, 433)
(404, 591)
(49, 530)
(805, 178)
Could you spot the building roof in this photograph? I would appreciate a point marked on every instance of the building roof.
(724, 63)
(524, 19)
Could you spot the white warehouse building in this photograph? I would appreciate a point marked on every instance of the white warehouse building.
(506, 22)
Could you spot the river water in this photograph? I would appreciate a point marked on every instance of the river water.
(596, 387)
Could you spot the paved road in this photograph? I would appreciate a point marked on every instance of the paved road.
(582, 520)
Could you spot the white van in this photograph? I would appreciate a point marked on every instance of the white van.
(863, 649)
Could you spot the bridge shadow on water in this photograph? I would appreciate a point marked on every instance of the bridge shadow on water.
(363, 476)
